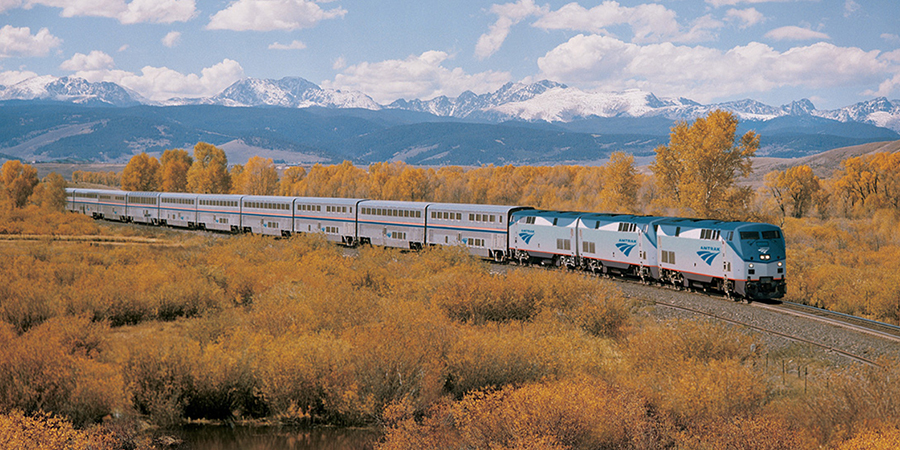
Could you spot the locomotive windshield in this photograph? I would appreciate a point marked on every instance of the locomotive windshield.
(771, 234)
(749, 235)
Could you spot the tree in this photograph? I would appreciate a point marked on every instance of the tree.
(175, 166)
(141, 173)
(620, 184)
(209, 172)
(793, 189)
(18, 181)
(51, 192)
(257, 177)
(699, 167)
(289, 183)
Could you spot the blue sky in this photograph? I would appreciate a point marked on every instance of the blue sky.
(834, 52)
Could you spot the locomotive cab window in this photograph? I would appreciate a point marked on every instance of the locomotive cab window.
(749, 235)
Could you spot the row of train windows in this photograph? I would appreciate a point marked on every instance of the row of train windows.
(483, 218)
(332, 230)
(85, 195)
(668, 257)
(709, 234)
(398, 235)
(391, 212)
(754, 235)
(268, 205)
(142, 200)
(625, 227)
(120, 198)
(475, 242)
(225, 203)
(272, 225)
(589, 247)
(446, 215)
(337, 209)
(316, 208)
(563, 244)
(177, 201)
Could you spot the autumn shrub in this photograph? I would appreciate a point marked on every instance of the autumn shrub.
(851, 401)
(694, 371)
(884, 438)
(582, 413)
(762, 431)
(59, 366)
(20, 431)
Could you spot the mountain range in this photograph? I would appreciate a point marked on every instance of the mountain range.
(297, 121)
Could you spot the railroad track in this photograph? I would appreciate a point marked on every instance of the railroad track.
(825, 347)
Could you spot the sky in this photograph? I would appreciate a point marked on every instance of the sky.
(832, 52)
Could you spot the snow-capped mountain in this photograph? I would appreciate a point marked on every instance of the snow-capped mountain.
(71, 89)
(291, 92)
(541, 101)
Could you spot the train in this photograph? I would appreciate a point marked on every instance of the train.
(742, 260)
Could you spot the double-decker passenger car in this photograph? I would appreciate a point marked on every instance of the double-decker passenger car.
(178, 209)
(267, 215)
(85, 201)
(483, 229)
(220, 212)
(142, 207)
(111, 204)
(392, 223)
(336, 217)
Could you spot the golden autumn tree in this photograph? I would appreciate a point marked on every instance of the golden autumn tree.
(18, 181)
(209, 172)
(793, 189)
(141, 173)
(287, 186)
(698, 169)
(257, 177)
(175, 166)
(620, 185)
(50, 193)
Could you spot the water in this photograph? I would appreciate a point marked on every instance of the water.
(211, 437)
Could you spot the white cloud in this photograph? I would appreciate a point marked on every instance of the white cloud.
(11, 77)
(339, 64)
(419, 76)
(850, 7)
(267, 15)
(746, 18)
(20, 42)
(162, 83)
(137, 11)
(891, 38)
(793, 33)
(508, 14)
(705, 74)
(886, 88)
(171, 39)
(718, 3)
(96, 60)
(294, 45)
(648, 22)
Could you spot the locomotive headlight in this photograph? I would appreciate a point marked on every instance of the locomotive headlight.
(780, 263)
(751, 265)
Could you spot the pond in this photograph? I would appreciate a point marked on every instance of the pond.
(212, 437)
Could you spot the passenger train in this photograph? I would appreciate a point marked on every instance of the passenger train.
(740, 259)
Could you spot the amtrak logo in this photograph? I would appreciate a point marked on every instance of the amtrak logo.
(625, 247)
(707, 256)
(526, 236)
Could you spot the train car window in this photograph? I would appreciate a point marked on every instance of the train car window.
(771, 234)
(419, 214)
(749, 235)
(529, 220)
